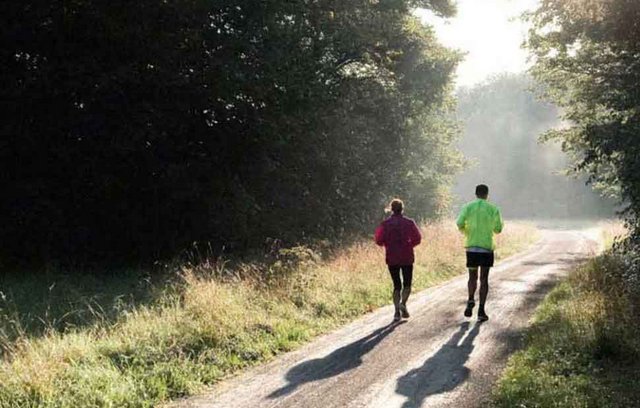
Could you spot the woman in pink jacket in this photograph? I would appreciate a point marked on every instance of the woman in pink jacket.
(399, 234)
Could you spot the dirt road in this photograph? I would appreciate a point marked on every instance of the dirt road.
(438, 358)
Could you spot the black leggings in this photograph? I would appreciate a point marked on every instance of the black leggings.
(407, 276)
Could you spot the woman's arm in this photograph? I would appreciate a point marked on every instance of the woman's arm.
(379, 235)
(416, 236)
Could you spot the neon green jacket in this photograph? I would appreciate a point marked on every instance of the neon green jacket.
(479, 220)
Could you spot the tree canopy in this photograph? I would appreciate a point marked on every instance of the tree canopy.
(587, 52)
(133, 129)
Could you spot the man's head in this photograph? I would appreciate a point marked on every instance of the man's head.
(482, 191)
(396, 206)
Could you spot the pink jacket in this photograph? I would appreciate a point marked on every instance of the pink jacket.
(398, 235)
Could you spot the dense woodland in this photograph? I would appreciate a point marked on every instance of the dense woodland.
(133, 130)
(502, 120)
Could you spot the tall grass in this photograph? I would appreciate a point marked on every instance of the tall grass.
(583, 349)
(213, 318)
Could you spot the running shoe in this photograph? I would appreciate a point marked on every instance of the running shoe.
(469, 310)
(404, 312)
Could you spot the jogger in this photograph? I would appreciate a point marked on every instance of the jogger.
(479, 220)
(399, 235)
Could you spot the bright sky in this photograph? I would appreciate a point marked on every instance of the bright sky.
(491, 34)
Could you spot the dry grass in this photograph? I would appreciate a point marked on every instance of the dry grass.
(216, 320)
(612, 231)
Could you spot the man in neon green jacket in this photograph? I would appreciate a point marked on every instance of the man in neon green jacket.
(479, 220)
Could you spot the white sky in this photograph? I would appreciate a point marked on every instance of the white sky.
(491, 34)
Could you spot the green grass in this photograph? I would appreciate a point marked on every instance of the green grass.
(125, 340)
(583, 348)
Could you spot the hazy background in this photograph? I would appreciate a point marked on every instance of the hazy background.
(501, 121)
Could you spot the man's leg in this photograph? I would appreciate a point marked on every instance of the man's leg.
(484, 290)
(407, 278)
(472, 285)
(397, 286)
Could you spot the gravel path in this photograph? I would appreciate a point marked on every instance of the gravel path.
(438, 358)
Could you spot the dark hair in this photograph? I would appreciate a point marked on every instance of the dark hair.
(482, 190)
(396, 206)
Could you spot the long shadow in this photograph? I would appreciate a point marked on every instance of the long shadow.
(441, 372)
(339, 361)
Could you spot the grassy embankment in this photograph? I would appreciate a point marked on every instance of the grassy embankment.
(125, 340)
(584, 345)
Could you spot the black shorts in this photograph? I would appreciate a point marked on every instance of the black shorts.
(475, 259)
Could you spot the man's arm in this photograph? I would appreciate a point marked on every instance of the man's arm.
(498, 224)
(379, 235)
(462, 219)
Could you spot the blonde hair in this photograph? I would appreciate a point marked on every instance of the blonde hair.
(395, 206)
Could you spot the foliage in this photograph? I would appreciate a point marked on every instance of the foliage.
(133, 129)
(169, 337)
(502, 119)
(587, 54)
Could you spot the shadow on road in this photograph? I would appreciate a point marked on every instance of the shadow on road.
(343, 359)
(441, 372)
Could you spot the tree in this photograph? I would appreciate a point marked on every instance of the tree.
(136, 129)
(587, 52)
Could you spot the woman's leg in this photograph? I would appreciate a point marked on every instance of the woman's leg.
(397, 286)
(407, 278)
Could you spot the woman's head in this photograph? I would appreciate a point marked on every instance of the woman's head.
(396, 206)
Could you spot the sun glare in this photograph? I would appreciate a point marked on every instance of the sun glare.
(489, 32)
